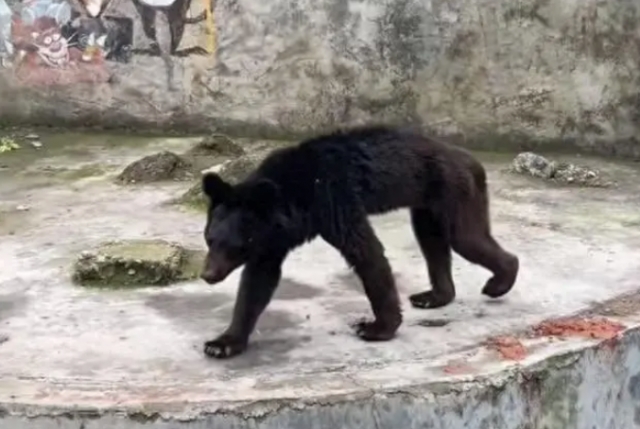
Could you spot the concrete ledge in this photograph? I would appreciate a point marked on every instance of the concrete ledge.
(564, 384)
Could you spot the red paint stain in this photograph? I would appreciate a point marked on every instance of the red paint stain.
(455, 368)
(598, 328)
(510, 348)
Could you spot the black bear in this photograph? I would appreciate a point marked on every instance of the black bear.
(327, 186)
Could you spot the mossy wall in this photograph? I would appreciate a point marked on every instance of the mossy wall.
(491, 73)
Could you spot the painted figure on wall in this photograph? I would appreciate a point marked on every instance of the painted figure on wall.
(175, 12)
(175, 16)
(110, 37)
(43, 55)
(57, 42)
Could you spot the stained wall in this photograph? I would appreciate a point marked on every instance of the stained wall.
(483, 72)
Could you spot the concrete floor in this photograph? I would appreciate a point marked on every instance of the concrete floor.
(66, 346)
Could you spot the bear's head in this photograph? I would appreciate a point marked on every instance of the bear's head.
(241, 220)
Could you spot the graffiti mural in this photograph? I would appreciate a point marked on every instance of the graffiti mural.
(64, 42)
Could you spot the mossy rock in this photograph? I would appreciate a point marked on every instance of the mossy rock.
(218, 145)
(236, 170)
(136, 263)
(233, 171)
(193, 198)
(191, 264)
(158, 167)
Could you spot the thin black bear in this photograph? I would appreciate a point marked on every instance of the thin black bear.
(327, 186)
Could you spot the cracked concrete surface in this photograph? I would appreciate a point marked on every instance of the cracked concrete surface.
(69, 348)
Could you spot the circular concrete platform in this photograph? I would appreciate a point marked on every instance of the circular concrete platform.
(121, 359)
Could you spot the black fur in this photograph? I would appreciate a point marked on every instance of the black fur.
(327, 186)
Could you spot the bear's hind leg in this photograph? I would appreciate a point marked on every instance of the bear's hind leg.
(363, 251)
(432, 234)
(473, 241)
(258, 283)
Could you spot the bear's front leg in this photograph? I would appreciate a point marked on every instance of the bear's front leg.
(257, 285)
(363, 251)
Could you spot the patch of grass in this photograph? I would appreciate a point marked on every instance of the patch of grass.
(8, 144)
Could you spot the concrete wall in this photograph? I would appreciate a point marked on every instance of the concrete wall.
(483, 71)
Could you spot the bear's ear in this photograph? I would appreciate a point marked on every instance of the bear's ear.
(262, 195)
(216, 189)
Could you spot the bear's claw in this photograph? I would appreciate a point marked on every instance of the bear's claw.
(224, 347)
(374, 330)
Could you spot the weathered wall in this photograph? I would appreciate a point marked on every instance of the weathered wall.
(484, 71)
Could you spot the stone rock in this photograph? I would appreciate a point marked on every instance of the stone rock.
(533, 165)
(560, 172)
(136, 263)
(157, 167)
(217, 145)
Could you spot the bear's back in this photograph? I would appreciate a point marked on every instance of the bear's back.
(379, 167)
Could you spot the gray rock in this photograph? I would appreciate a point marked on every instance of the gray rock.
(236, 170)
(218, 145)
(579, 175)
(157, 167)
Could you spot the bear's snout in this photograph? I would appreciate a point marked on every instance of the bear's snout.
(216, 271)
(213, 276)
